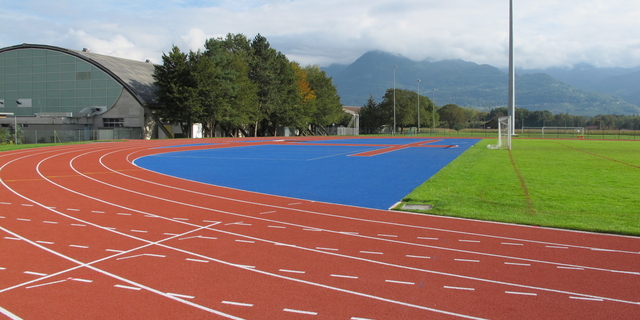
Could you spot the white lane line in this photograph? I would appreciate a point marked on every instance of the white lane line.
(181, 219)
(198, 237)
(44, 242)
(50, 222)
(267, 212)
(279, 227)
(114, 250)
(285, 244)
(371, 252)
(344, 276)
(426, 238)
(78, 225)
(23, 219)
(358, 318)
(35, 273)
(170, 234)
(300, 311)
(518, 264)
(420, 257)
(80, 280)
(140, 231)
(569, 268)
(45, 284)
(5, 202)
(26, 205)
(349, 233)
(197, 260)
(71, 209)
(473, 241)
(459, 288)
(556, 247)
(245, 266)
(606, 250)
(127, 287)
(387, 235)
(466, 260)
(1, 268)
(238, 303)
(295, 203)
(1, 217)
(12, 238)
(96, 211)
(245, 241)
(586, 298)
(123, 214)
(512, 244)
(78, 246)
(311, 229)
(400, 282)
(180, 295)
(329, 249)
(521, 293)
(291, 271)
(110, 228)
(143, 254)
(210, 221)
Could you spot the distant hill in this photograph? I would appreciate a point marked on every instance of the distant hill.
(467, 84)
(625, 86)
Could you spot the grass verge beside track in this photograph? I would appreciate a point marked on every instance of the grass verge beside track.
(574, 184)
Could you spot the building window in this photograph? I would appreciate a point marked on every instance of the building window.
(113, 122)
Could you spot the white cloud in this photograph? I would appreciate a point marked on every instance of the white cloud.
(548, 32)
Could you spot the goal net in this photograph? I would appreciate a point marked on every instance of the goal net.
(504, 134)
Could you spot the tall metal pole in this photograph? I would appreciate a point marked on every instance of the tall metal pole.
(433, 110)
(512, 73)
(394, 100)
(418, 106)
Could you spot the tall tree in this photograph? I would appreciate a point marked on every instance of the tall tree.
(327, 106)
(372, 117)
(235, 95)
(452, 116)
(177, 90)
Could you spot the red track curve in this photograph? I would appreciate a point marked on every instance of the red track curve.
(84, 233)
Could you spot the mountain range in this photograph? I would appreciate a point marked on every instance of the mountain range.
(581, 90)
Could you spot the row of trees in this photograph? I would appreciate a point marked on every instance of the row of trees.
(373, 116)
(242, 85)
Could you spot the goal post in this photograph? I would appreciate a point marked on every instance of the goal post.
(504, 134)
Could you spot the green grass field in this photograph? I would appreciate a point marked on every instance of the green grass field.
(573, 184)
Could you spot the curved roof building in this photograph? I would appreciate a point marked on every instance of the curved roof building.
(52, 88)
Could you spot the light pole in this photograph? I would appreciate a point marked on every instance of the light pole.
(393, 132)
(433, 110)
(418, 106)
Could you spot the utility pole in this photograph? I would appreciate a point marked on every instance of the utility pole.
(394, 101)
(512, 74)
(418, 106)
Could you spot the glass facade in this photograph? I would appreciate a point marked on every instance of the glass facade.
(39, 80)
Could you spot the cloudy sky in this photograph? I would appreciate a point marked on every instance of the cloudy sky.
(604, 33)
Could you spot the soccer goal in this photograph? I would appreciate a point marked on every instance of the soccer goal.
(504, 134)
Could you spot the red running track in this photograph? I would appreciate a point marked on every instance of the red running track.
(86, 234)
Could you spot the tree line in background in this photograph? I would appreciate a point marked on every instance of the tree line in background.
(375, 116)
(243, 86)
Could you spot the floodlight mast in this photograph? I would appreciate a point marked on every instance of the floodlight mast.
(394, 101)
(512, 73)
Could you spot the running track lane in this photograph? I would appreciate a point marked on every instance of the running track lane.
(84, 233)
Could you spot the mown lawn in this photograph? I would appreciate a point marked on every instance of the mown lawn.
(575, 184)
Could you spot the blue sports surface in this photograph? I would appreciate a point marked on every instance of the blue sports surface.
(316, 170)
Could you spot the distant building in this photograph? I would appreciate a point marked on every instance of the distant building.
(54, 91)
